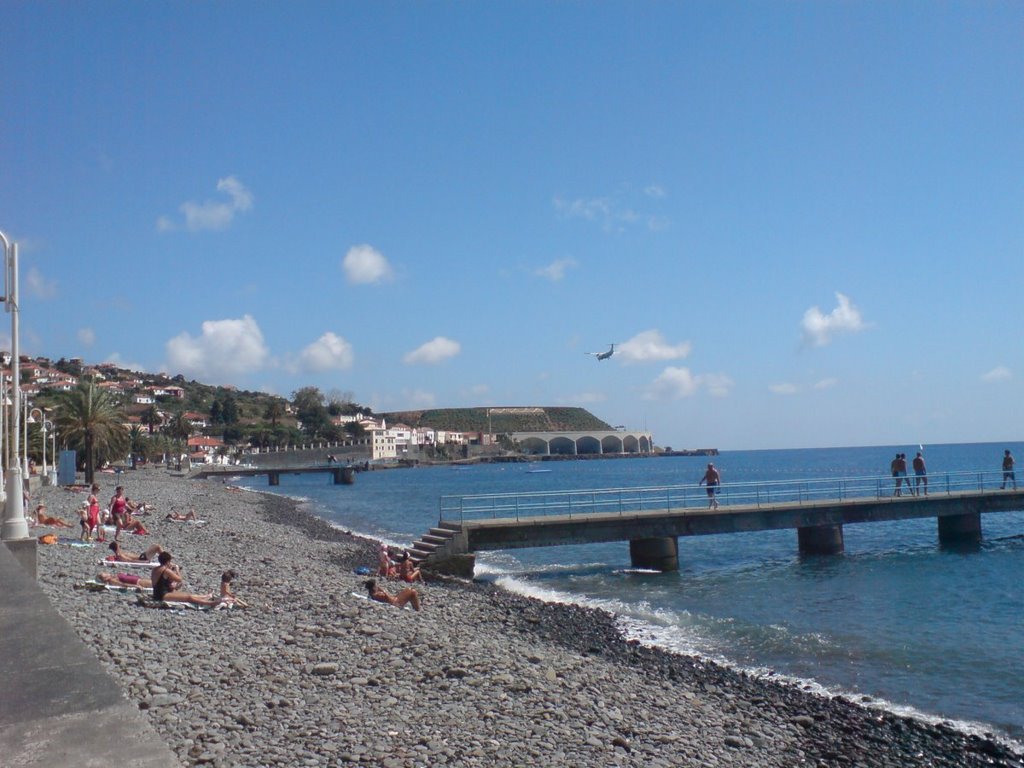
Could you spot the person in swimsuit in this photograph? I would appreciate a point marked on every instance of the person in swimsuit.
(920, 475)
(167, 581)
(118, 510)
(408, 595)
(54, 522)
(124, 580)
(894, 467)
(178, 517)
(144, 557)
(95, 523)
(385, 568)
(713, 480)
(1008, 470)
(407, 570)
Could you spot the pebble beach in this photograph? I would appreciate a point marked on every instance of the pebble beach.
(314, 674)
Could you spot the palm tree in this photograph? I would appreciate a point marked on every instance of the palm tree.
(89, 419)
(137, 443)
(180, 429)
(151, 418)
(274, 411)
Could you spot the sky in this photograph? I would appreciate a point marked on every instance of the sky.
(801, 224)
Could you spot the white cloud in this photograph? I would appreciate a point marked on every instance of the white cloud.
(784, 388)
(39, 286)
(211, 214)
(435, 351)
(826, 383)
(997, 374)
(718, 384)
(650, 346)
(612, 213)
(226, 348)
(365, 264)
(818, 328)
(120, 362)
(556, 270)
(654, 190)
(675, 383)
(329, 352)
(86, 336)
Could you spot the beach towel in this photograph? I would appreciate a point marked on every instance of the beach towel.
(174, 605)
(120, 564)
(98, 586)
(111, 530)
(190, 522)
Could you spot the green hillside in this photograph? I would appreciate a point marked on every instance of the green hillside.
(501, 420)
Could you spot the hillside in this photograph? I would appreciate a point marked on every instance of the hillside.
(501, 420)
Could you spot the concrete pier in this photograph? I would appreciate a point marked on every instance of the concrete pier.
(820, 539)
(661, 554)
(960, 529)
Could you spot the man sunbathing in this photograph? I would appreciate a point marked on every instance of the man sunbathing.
(120, 557)
(178, 517)
(408, 595)
(44, 519)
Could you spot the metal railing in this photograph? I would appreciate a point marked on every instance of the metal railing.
(683, 497)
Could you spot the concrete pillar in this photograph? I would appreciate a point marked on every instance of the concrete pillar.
(274, 478)
(820, 539)
(24, 551)
(661, 554)
(958, 529)
(344, 476)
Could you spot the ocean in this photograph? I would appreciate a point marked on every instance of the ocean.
(896, 621)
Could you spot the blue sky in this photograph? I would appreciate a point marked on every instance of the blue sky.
(802, 223)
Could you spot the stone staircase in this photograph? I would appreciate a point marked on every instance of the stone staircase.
(433, 541)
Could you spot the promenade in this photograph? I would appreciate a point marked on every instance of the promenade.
(58, 707)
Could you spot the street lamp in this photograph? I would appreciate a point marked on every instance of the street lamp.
(51, 477)
(29, 419)
(14, 526)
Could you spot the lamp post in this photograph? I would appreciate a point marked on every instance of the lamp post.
(30, 419)
(14, 526)
(48, 427)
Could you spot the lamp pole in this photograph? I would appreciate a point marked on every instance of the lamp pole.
(30, 419)
(47, 427)
(15, 526)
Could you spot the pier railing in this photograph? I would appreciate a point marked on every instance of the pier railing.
(683, 497)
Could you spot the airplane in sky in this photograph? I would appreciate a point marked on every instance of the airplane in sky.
(603, 355)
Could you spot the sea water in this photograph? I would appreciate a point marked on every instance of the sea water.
(895, 621)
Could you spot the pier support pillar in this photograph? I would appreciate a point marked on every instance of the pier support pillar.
(960, 529)
(661, 554)
(344, 476)
(274, 478)
(820, 539)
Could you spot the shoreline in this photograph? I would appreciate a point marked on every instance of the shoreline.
(482, 676)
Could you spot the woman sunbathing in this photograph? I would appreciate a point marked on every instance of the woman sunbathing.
(407, 570)
(146, 557)
(227, 597)
(167, 581)
(178, 517)
(124, 580)
(44, 519)
(408, 595)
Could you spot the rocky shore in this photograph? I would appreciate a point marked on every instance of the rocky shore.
(315, 675)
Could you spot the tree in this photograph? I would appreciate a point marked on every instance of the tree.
(89, 420)
(273, 411)
(180, 429)
(310, 410)
(229, 409)
(151, 418)
(137, 443)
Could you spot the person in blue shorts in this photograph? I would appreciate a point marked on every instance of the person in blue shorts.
(713, 480)
(920, 474)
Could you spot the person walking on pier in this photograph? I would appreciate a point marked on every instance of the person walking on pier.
(894, 467)
(1008, 470)
(920, 475)
(713, 480)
